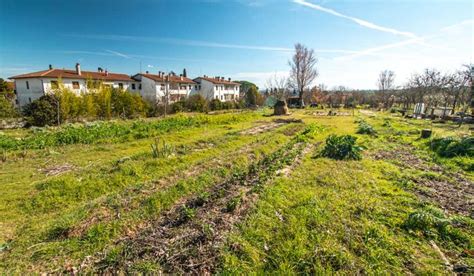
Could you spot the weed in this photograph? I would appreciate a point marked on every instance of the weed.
(187, 213)
(365, 128)
(233, 203)
(386, 123)
(433, 223)
(451, 147)
(163, 151)
(342, 148)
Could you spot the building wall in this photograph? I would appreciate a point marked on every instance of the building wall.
(207, 90)
(148, 90)
(211, 91)
(40, 86)
(26, 95)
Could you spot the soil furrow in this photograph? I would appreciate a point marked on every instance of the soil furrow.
(187, 239)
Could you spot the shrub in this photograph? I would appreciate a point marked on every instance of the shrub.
(451, 147)
(365, 128)
(127, 105)
(196, 103)
(215, 104)
(7, 109)
(178, 106)
(43, 111)
(342, 148)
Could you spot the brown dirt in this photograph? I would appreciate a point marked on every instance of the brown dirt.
(453, 192)
(103, 213)
(187, 239)
(267, 126)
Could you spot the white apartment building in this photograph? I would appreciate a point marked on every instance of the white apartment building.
(31, 86)
(155, 87)
(218, 88)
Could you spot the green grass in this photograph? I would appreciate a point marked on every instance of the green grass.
(326, 216)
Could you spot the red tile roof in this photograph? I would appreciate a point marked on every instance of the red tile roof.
(175, 79)
(218, 81)
(72, 74)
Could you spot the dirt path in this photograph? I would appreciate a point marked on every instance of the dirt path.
(453, 192)
(267, 126)
(187, 239)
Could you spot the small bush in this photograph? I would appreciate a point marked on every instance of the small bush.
(365, 128)
(178, 107)
(43, 111)
(215, 104)
(7, 109)
(196, 103)
(451, 147)
(342, 148)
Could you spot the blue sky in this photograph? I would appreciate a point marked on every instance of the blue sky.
(242, 39)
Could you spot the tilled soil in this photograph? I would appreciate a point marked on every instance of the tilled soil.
(105, 213)
(454, 193)
(187, 239)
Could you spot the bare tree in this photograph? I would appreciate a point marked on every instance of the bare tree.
(303, 69)
(278, 86)
(385, 82)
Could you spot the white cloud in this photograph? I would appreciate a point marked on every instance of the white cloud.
(359, 21)
(176, 41)
(455, 29)
(118, 54)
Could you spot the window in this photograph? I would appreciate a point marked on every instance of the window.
(162, 86)
(120, 85)
(75, 85)
(196, 87)
(183, 87)
(222, 97)
(133, 86)
(27, 85)
(140, 86)
(199, 87)
(29, 99)
(54, 85)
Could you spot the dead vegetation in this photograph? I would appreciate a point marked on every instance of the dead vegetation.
(58, 169)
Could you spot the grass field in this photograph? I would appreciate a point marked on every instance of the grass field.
(235, 193)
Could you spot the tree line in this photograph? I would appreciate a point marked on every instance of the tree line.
(432, 87)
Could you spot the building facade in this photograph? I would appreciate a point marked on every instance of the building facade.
(218, 88)
(155, 88)
(31, 86)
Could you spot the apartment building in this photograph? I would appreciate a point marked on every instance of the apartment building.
(218, 88)
(155, 88)
(31, 86)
